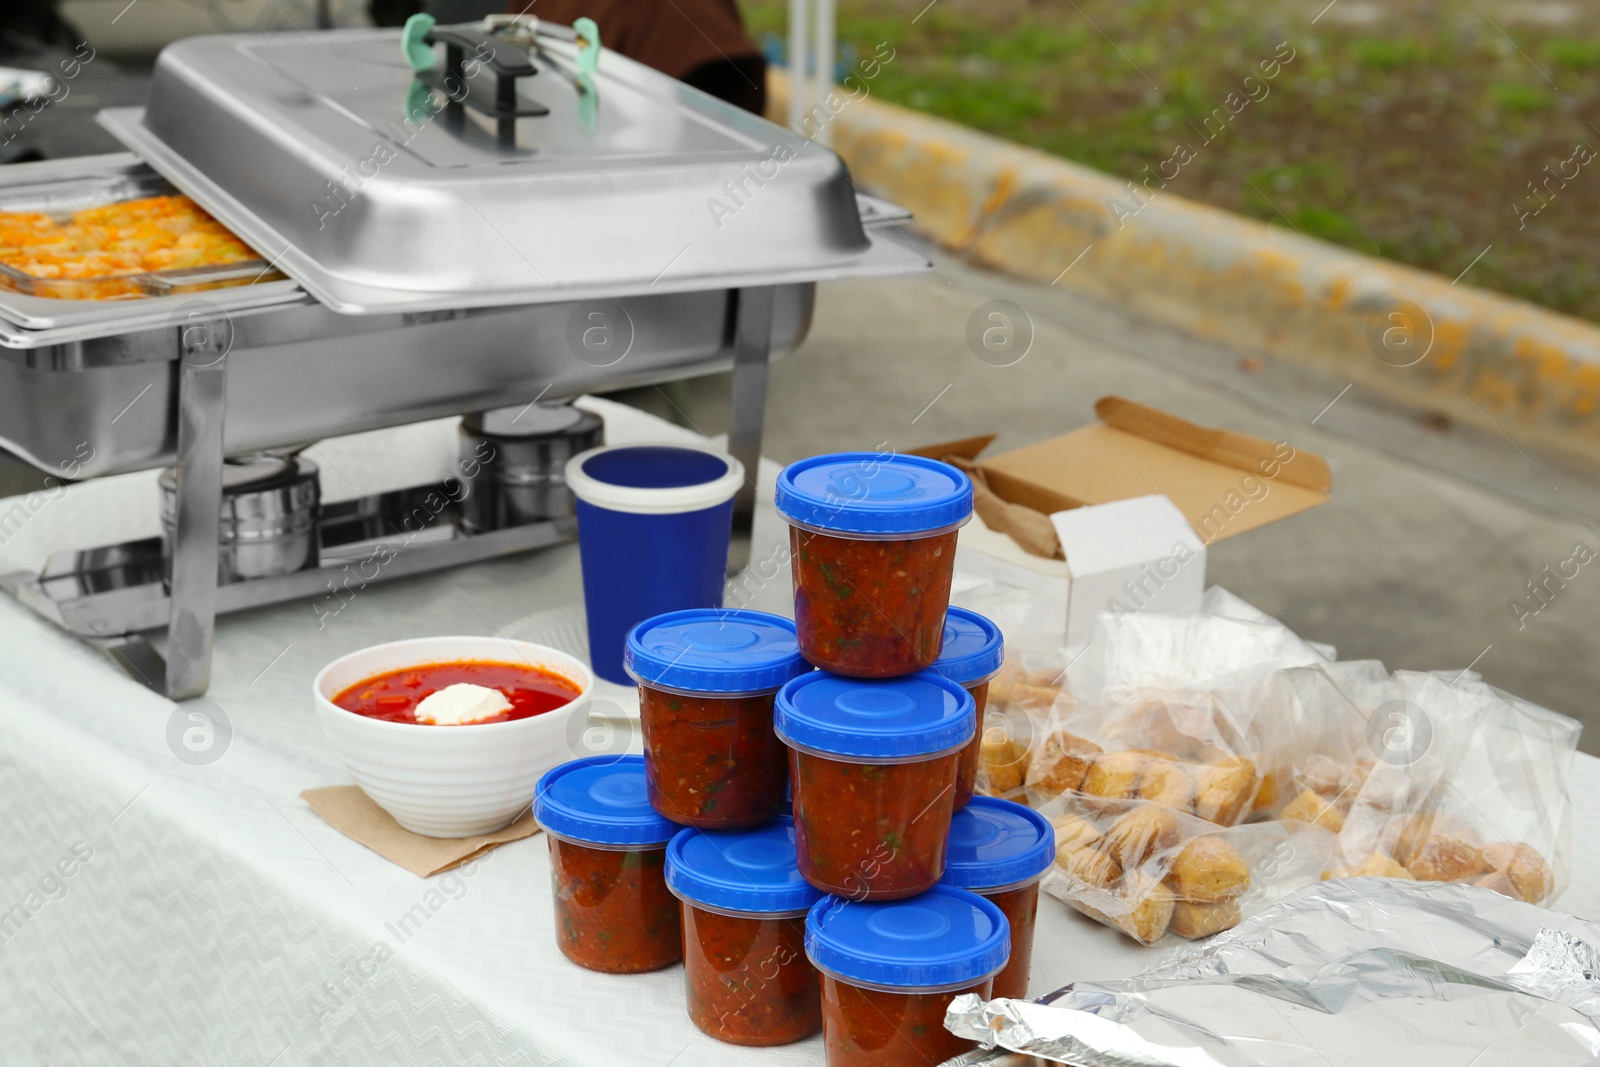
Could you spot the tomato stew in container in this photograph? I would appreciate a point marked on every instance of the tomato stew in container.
(1000, 850)
(873, 764)
(608, 849)
(973, 653)
(873, 541)
(744, 922)
(707, 678)
(890, 971)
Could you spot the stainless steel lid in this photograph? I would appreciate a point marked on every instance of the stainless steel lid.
(269, 515)
(530, 420)
(514, 462)
(352, 175)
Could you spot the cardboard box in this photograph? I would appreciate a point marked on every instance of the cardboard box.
(1224, 483)
(1130, 503)
(1128, 556)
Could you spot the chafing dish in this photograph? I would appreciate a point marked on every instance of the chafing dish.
(612, 229)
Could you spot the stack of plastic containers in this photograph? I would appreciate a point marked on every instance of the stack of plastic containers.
(866, 912)
(973, 654)
(707, 679)
(744, 910)
(1000, 850)
(608, 866)
(884, 743)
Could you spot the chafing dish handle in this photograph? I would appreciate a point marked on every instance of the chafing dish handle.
(504, 58)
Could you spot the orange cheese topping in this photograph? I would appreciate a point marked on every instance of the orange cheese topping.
(131, 237)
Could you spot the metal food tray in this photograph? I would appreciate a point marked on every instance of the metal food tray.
(64, 186)
(137, 285)
(150, 313)
(322, 157)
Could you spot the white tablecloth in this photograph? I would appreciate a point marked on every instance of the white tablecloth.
(154, 912)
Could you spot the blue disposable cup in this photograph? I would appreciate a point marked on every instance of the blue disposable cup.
(653, 527)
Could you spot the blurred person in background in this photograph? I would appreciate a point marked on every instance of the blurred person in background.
(31, 23)
(701, 42)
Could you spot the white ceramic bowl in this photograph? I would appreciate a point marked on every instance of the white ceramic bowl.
(449, 781)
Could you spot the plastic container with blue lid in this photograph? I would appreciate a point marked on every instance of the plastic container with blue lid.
(872, 538)
(744, 909)
(996, 845)
(602, 802)
(874, 494)
(1000, 850)
(706, 683)
(974, 651)
(890, 970)
(608, 847)
(743, 872)
(728, 651)
(874, 765)
(885, 720)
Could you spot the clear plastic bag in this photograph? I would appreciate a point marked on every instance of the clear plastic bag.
(1147, 870)
(1227, 726)
(1313, 734)
(1022, 702)
(1226, 646)
(1172, 708)
(1032, 678)
(1412, 776)
(1464, 783)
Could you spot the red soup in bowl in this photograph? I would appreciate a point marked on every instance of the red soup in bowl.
(395, 695)
(525, 701)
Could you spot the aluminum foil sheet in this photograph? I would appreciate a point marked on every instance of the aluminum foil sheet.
(1371, 972)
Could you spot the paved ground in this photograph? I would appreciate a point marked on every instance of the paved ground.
(1431, 533)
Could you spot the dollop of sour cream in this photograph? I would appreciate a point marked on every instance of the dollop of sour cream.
(462, 704)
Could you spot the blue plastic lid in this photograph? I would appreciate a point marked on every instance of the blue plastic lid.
(714, 650)
(973, 648)
(944, 937)
(740, 870)
(602, 800)
(874, 493)
(996, 843)
(919, 714)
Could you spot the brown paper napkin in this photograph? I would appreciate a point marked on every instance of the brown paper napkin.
(351, 812)
(1031, 530)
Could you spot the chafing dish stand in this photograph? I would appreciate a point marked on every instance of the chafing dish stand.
(689, 234)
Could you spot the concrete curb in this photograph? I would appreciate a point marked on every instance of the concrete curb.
(1532, 374)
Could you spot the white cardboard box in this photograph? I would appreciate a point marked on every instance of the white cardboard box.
(1128, 556)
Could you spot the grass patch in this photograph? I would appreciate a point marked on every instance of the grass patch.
(1574, 55)
(1330, 225)
(999, 106)
(1411, 135)
(1380, 54)
(1520, 99)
